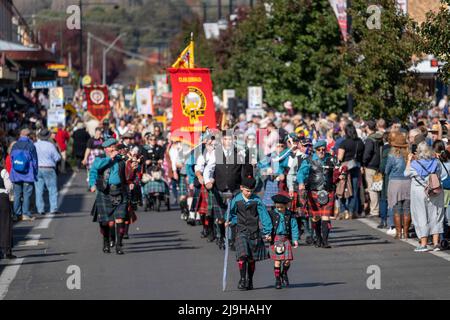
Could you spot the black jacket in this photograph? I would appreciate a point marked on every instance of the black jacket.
(80, 140)
(372, 151)
(229, 172)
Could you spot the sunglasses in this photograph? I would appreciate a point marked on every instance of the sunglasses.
(321, 149)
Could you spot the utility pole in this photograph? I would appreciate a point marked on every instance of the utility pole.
(88, 59)
(205, 12)
(251, 4)
(219, 9)
(350, 101)
(230, 7)
(105, 52)
(81, 40)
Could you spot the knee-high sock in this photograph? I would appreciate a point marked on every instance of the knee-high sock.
(104, 230)
(286, 268)
(277, 272)
(112, 233)
(251, 269)
(121, 231)
(326, 226)
(242, 268)
(317, 229)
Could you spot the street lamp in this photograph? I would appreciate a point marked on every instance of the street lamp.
(105, 52)
(116, 6)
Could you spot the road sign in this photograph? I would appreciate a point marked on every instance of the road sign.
(56, 96)
(44, 84)
(255, 97)
(56, 116)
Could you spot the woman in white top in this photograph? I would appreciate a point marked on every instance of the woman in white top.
(6, 221)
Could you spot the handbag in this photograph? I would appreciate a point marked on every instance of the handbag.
(377, 182)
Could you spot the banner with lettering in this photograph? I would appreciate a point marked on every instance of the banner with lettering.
(340, 10)
(193, 104)
(98, 101)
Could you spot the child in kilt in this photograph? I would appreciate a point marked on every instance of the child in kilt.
(246, 213)
(284, 231)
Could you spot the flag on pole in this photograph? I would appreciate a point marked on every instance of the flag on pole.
(340, 10)
(186, 58)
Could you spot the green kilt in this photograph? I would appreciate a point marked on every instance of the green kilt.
(182, 186)
(105, 211)
(253, 249)
(157, 186)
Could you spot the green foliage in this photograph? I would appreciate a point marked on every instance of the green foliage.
(378, 60)
(435, 33)
(292, 52)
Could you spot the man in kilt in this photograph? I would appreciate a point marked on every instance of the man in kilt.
(107, 178)
(320, 188)
(284, 231)
(231, 166)
(295, 178)
(209, 203)
(246, 213)
(178, 153)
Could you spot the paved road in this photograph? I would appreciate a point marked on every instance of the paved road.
(166, 259)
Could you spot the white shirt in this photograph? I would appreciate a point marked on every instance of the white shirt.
(206, 164)
(8, 184)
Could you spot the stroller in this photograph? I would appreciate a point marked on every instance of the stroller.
(155, 189)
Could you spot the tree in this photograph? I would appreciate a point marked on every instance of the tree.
(436, 37)
(378, 61)
(292, 51)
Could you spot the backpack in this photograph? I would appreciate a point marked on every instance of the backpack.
(433, 187)
(21, 161)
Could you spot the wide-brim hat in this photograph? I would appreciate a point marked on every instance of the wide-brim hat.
(320, 144)
(44, 134)
(128, 135)
(399, 141)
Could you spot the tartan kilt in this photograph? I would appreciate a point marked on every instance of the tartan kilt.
(295, 202)
(270, 189)
(254, 249)
(202, 202)
(104, 211)
(216, 207)
(287, 254)
(157, 186)
(315, 209)
(182, 186)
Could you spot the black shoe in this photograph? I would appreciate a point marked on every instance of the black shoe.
(285, 280)
(126, 237)
(325, 245)
(278, 283)
(10, 256)
(106, 248)
(242, 285)
(203, 234)
(112, 244)
(119, 250)
(382, 225)
(309, 240)
(250, 285)
(318, 243)
(221, 244)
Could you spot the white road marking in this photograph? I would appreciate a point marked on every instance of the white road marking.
(12, 267)
(45, 223)
(8, 274)
(32, 240)
(441, 254)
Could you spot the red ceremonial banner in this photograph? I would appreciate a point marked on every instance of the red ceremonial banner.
(98, 101)
(193, 104)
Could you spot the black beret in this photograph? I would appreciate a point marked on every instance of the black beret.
(281, 198)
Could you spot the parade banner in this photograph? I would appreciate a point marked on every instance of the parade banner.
(192, 99)
(98, 101)
(402, 6)
(340, 10)
(255, 97)
(144, 101)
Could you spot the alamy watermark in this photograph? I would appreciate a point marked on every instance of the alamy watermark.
(74, 280)
(374, 280)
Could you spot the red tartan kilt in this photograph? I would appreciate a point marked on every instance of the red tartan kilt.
(294, 202)
(315, 209)
(202, 208)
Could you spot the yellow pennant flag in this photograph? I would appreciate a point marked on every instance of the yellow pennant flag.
(186, 58)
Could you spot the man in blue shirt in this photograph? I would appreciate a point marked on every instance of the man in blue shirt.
(48, 156)
(107, 178)
(24, 173)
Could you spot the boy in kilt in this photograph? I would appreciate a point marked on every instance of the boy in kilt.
(107, 178)
(246, 213)
(320, 188)
(284, 231)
